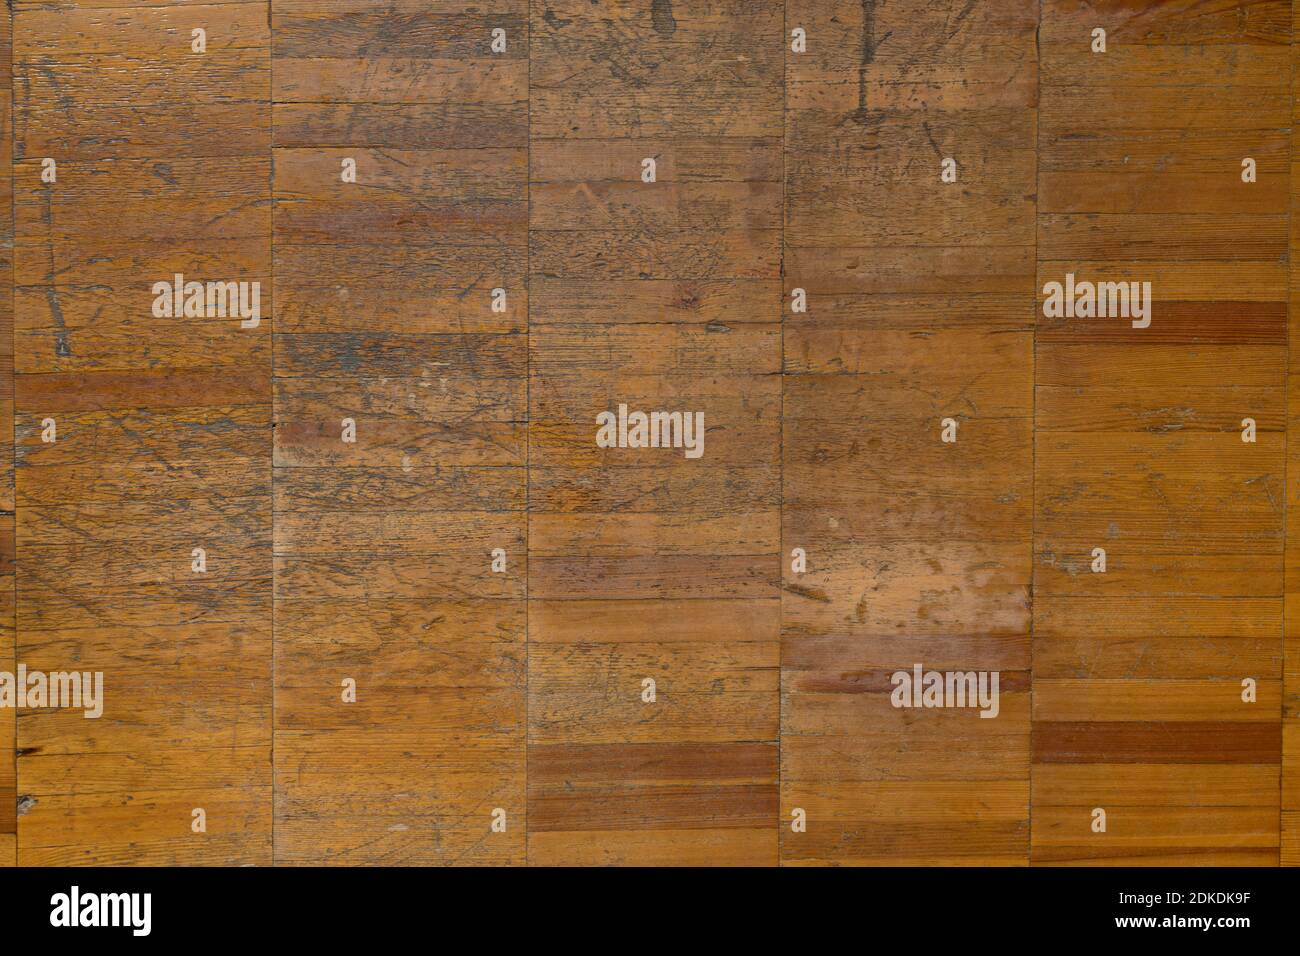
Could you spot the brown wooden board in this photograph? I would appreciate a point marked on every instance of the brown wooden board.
(400, 184)
(142, 448)
(1138, 670)
(653, 659)
(918, 321)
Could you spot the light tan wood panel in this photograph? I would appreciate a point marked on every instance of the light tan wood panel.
(1160, 473)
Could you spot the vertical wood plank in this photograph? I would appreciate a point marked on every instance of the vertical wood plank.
(8, 660)
(384, 545)
(1290, 788)
(1138, 670)
(660, 294)
(918, 321)
(162, 432)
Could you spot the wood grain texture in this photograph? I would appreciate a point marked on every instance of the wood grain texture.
(383, 545)
(1290, 770)
(645, 564)
(162, 434)
(919, 310)
(8, 645)
(1138, 670)
(501, 270)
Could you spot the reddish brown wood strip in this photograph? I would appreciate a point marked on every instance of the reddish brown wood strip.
(1141, 742)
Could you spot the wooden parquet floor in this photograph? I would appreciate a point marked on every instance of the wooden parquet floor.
(593, 432)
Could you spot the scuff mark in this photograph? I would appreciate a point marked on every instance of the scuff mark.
(813, 594)
(929, 135)
(164, 172)
(61, 347)
(961, 17)
(661, 15)
(869, 47)
(554, 22)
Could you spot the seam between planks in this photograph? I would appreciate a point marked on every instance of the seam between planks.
(780, 471)
(528, 420)
(13, 384)
(270, 107)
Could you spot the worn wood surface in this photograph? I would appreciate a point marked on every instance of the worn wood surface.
(383, 567)
(8, 650)
(644, 564)
(1290, 769)
(437, 623)
(1138, 435)
(163, 433)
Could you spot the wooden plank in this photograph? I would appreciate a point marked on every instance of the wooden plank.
(919, 294)
(161, 443)
(384, 544)
(649, 564)
(1289, 852)
(1139, 705)
(8, 554)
